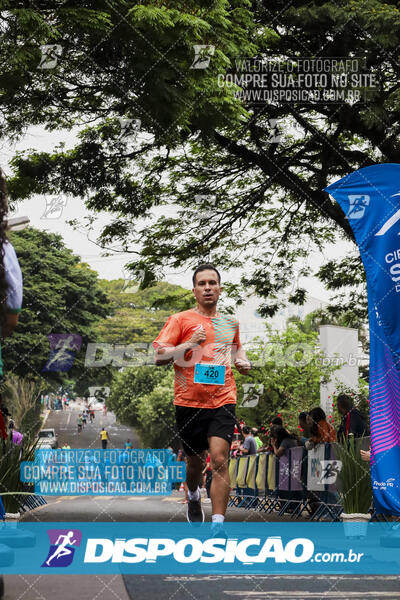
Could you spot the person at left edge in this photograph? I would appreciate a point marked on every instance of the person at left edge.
(10, 287)
(205, 412)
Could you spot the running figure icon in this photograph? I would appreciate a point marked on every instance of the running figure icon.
(62, 549)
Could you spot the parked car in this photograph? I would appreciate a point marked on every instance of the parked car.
(47, 437)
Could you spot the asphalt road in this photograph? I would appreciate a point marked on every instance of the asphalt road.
(188, 587)
(64, 422)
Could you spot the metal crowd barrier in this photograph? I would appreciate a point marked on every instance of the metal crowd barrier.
(301, 481)
(31, 502)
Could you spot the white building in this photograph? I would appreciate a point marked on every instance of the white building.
(252, 324)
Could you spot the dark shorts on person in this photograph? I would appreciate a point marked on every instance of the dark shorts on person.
(195, 425)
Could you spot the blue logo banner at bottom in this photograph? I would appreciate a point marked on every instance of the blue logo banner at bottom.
(180, 548)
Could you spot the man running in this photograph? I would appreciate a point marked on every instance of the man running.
(199, 342)
(104, 438)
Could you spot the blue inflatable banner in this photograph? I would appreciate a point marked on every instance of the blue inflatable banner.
(179, 548)
(370, 198)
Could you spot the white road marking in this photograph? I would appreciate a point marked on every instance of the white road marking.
(174, 499)
(105, 497)
(138, 498)
(68, 498)
(281, 577)
(304, 594)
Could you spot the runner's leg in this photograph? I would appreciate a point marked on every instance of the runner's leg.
(194, 467)
(220, 483)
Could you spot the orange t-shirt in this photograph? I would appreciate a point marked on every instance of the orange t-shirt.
(222, 334)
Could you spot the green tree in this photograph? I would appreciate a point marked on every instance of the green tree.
(290, 368)
(143, 398)
(22, 398)
(61, 295)
(157, 415)
(128, 388)
(139, 316)
(260, 203)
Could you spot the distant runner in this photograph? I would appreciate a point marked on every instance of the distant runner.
(200, 341)
(104, 438)
(79, 422)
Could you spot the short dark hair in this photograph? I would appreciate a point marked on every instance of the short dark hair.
(302, 416)
(205, 267)
(246, 429)
(345, 401)
(277, 421)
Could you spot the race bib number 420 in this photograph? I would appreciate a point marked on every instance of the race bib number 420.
(209, 374)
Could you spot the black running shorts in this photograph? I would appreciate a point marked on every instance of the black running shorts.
(195, 425)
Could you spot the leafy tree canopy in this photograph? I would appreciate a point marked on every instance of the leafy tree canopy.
(202, 179)
(143, 398)
(61, 295)
(138, 316)
(290, 368)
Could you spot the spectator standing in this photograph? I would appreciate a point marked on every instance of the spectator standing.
(15, 436)
(282, 440)
(234, 451)
(249, 445)
(353, 422)
(254, 433)
(303, 426)
(320, 430)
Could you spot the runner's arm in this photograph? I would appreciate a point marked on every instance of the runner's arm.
(165, 354)
(241, 361)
